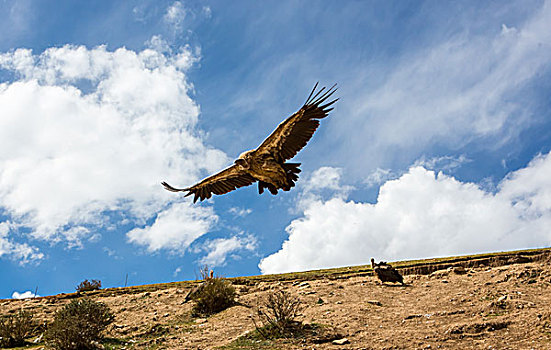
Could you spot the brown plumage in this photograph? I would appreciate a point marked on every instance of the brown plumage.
(266, 164)
(386, 273)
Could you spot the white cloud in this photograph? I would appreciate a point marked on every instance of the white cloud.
(421, 214)
(175, 228)
(24, 295)
(443, 163)
(175, 15)
(529, 189)
(218, 249)
(207, 11)
(140, 13)
(323, 181)
(17, 17)
(21, 252)
(378, 176)
(466, 88)
(88, 132)
(325, 178)
(177, 271)
(506, 30)
(157, 43)
(241, 212)
(110, 252)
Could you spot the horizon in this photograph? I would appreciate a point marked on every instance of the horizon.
(338, 271)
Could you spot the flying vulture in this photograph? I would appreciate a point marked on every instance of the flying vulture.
(267, 163)
(386, 273)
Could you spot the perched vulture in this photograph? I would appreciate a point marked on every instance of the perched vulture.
(386, 273)
(267, 163)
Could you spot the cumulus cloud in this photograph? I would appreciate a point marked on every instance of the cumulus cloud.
(470, 87)
(421, 214)
(219, 249)
(321, 182)
(379, 176)
(443, 163)
(175, 228)
(24, 295)
(87, 132)
(325, 178)
(529, 189)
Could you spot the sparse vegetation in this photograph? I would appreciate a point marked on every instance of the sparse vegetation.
(309, 333)
(215, 294)
(251, 341)
(15, 328)
(277, 318)
(278, 315)
(345, 304)
(86, 286)
(78, 325)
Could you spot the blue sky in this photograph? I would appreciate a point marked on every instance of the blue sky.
(438, 145)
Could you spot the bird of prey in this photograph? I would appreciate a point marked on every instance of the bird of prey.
(267, 163)
(386, 273)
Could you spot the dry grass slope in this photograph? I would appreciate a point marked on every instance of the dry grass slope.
(498, 300)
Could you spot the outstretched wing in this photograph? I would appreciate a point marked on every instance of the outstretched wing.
(293, 133)
(223, 182)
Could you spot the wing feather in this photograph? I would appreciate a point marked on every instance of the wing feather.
(294, 133)
(225, 181)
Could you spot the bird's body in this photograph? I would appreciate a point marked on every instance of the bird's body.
(264, 167)
(386, 273)
(267, 163)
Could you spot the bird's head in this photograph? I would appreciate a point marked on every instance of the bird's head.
(243, 160)
(246, 155)
(242, 163)
(372, 262)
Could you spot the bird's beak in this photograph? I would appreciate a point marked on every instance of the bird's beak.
(242, 163)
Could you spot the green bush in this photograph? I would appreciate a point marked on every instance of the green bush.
(15, 328)
(215, 294)
(78, 325)
(86, 286)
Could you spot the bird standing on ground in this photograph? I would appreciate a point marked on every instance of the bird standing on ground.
(386, 273)
(267, 163)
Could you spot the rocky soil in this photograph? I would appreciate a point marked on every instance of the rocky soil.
(500, 301)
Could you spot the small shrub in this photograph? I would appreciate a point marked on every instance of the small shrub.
(86, 286)
(278, 315)
(215, 294)
(15, 328)
(78, 325)
(205, 273)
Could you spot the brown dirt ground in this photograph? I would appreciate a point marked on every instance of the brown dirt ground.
(500, 301)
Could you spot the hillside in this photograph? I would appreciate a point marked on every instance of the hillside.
(487, 301)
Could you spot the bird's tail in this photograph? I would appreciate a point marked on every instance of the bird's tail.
(292, 170)
(263, 185)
